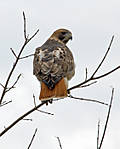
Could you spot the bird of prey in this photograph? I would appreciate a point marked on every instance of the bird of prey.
(53, 65)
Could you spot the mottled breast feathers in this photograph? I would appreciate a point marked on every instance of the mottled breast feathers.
(52, 62)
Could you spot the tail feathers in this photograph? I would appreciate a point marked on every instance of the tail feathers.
(60, 91)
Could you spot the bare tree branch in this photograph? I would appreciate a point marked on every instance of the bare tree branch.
(59, 142)
(13, 86)
(2, 85)
(32, 139)
(106, 123)
(45, 112)
(86, 74)
(33, 35)
(79, 85)
(26, 56)
(106, 74)
(17, 57)
(34, 100)
(25, 36)
(103, 58)
(27, 119)
(5, 103)
(98, 134)
(21, 117)
(90, 100)
(96, 70)
(13, 52)
(88, 84)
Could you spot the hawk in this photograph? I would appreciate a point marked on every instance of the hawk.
(53, 65)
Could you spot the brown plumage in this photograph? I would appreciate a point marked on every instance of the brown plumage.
(53, 65)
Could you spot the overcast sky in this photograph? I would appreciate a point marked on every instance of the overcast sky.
(92, 24)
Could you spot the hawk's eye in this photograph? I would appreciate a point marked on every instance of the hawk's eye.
(63, 33)
(61, 37)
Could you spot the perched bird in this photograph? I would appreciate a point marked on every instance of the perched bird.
(53, 65)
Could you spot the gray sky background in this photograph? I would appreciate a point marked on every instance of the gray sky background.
(92, 23)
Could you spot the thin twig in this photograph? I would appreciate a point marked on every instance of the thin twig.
(106, 74)
(25, 36)
(103, 57)
(32, 139)
(2, 85)
(90, 100)
(34, 100)
(20, 118)
(45, 112)
(106, 123)
(5, 103)
(98, 134)
(79, 85)
(86, 74)
(13, 52)
(26, 56)
(13, 86)
(88, 84)
(27, 119)
(33, 35)
(59, 142)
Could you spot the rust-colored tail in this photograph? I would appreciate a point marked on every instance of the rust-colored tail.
(59, 91)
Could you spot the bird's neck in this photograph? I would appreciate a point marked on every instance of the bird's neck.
(56, 39)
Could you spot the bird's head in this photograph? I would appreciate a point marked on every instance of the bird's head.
(62, 35)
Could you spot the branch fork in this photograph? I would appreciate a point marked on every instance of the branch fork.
(26, 40)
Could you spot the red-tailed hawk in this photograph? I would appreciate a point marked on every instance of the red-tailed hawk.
(53, 65)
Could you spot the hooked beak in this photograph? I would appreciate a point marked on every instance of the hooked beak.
(68, 36)
(71, 38)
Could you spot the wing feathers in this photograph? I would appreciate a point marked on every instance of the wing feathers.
(53, 61)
